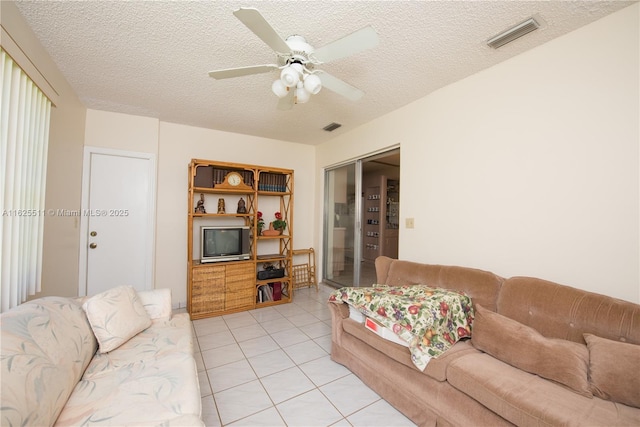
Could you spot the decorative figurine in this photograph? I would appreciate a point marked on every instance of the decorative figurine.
(200, 205)
(221, 209)
(242, 206)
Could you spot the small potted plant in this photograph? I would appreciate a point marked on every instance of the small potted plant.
(276, 227)
(279, 223)
(260, 223)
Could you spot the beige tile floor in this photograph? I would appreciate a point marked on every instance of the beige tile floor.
(271, 367)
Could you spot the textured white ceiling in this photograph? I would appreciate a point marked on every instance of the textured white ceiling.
(151, 58)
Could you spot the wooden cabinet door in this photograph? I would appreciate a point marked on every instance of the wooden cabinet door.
(239, 286)
(207, 289)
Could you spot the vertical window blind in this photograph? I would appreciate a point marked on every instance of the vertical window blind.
(24, 129)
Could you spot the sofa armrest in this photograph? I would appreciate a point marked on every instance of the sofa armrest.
(383, 264)
(341, 309)
(339, 312)
(156, 302)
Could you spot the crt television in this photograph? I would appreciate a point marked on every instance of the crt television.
(224, 243)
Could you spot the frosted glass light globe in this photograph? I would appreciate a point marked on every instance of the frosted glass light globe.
(313, 84)
(279, 89)
(290, 75)
(302, 95)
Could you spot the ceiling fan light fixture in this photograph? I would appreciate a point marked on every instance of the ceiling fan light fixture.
(302, 95)
(279, 88)
(291, 74)
(312, 83)
(296, 61)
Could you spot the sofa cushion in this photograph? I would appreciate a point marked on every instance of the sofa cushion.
(115, 316)
(426, 401)
(558, 311)
(436, 368)
(559, 360)
(614, 370)
(529, 400)
(147, 392)
(158, 364)
(46, 345)
(164, 336)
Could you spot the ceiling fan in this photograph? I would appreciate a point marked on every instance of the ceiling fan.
(297, 61)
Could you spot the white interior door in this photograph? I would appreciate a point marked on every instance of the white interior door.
(117, 220)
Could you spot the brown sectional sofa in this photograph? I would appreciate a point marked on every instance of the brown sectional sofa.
(527, 362)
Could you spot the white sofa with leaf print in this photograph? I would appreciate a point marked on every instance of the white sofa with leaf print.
(119, 358)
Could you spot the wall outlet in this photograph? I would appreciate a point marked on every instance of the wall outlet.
(408, 222)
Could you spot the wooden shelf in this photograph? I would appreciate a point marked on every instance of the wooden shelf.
(267, 281)
(217, 215)
(380, 235)
(282, 236)
(214, 190)
(271, 303)
(273, 193)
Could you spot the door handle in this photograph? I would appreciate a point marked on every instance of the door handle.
(93, 234)
(93, 245)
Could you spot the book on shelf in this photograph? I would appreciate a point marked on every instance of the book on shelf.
(276, 182)
(269, 292)
(277, 290)
(203, 177)
(247, 176)
(218, 175)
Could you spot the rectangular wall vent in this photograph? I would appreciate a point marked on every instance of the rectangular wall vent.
(513, 33)
(331, 127)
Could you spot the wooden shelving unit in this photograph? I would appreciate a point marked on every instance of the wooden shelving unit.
(380, 236)
(214, 289)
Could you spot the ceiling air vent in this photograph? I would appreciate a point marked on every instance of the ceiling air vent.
(513, 33)
(331, 127)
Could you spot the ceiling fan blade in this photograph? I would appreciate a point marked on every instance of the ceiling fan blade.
(341, 88)
(261, 28)
(241, 71)
(364, 38)
(286, 103)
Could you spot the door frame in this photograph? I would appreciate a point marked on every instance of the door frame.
(84, 206)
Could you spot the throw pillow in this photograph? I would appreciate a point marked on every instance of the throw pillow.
(562, 361)
(614, 370)
(157, 303)
(115, 316)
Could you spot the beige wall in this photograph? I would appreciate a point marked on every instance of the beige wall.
(530, 167)
(66, 139)
(178, 145)
(122, 132)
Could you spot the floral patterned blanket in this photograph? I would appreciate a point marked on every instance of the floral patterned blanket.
(431, 320)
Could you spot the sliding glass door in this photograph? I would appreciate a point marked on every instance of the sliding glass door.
(361, 210)
(342, 236)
